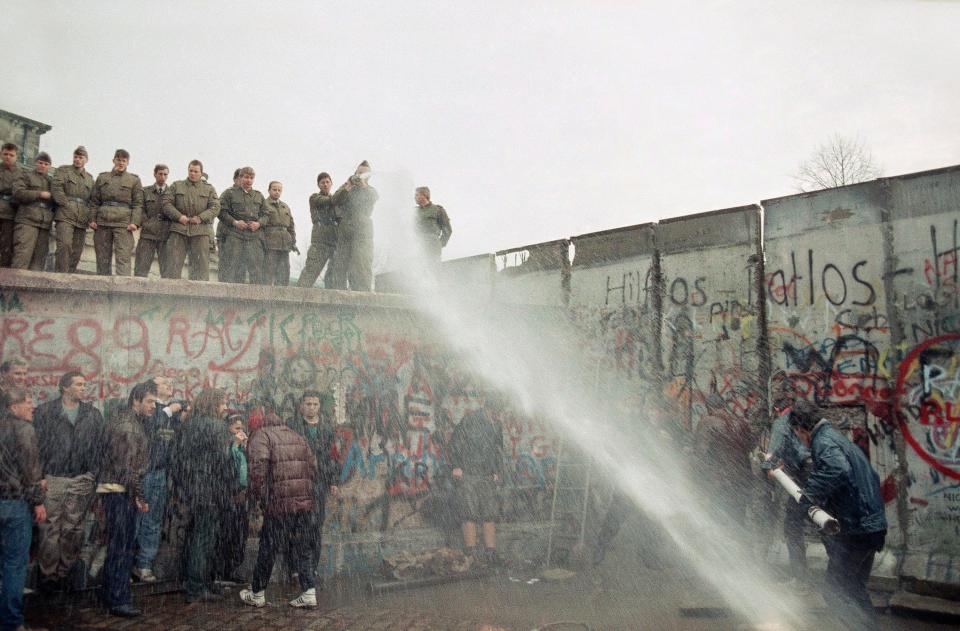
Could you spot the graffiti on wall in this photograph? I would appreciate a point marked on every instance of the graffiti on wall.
(398, 396)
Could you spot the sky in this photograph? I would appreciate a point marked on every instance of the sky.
(530, 121)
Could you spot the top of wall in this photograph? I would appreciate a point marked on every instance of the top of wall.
(925, 193)
(598, 248)
(730, 226)
(187, 290)
(537, 257)
(832, 208)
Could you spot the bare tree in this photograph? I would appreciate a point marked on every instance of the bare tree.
(841, 160)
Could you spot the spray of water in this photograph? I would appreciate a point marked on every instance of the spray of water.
(549, 367)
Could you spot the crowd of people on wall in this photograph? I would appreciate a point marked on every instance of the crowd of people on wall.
(254, 235)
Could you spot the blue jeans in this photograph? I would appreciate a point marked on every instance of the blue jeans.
(149, 524)
(121, 514)
(15, 532)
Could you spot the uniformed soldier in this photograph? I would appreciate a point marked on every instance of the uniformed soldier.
(191, 206)
(118, 200)
(223, 261)
(72, 187)
(243, 209)
(279, 237)
(353, 260)
(9, 172)
(433, 225)
(31, 234)
(323, 239)
(155, 228)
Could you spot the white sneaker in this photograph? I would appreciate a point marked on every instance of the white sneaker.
(144, 575)
(256, 599)
(306, 599)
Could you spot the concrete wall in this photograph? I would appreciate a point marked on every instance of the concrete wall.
(400, 393)
(850, 294)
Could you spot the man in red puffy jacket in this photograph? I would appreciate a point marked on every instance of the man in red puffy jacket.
(282, 469)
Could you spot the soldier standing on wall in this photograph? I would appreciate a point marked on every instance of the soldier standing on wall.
(223, 261)
(353, 260)
(323, 239)
(31, 235)
(9, 172)
(433, 225)
(72, 187)
(244, 210)
(279, 237)
(156, 226)
(118, 196)
(191, 205)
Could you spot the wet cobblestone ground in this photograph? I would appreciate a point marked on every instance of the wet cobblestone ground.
(606, 599)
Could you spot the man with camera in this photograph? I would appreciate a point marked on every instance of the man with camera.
(353, 260)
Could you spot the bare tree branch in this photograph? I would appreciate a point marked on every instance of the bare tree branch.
(840, 161)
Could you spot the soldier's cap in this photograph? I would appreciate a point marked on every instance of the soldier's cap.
(81, 151)
(43, 156)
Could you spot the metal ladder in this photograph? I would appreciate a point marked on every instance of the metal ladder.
(571, 501)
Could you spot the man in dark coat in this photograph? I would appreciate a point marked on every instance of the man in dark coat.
(315, 423)
(70, 432)
(125, 460)
(282, 470)
(203, 475)
(844, 484)
(21, 501)
(476, 456)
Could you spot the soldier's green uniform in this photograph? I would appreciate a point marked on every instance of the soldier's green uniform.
(323, 238)
(353, 260)
(190, 199)
(153, 233)
(243, 248)
(8, 211)
(31, 235)
(434, 230)
(223, 262)
(118, 199)
(72, 188)
(279, 239)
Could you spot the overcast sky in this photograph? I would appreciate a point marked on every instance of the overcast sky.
(530, 121)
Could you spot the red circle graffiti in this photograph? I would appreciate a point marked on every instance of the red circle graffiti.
(901, 394)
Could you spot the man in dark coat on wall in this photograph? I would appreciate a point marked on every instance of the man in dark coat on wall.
(282, 470)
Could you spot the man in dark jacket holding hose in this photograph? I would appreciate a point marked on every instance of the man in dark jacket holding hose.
(844, 484)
